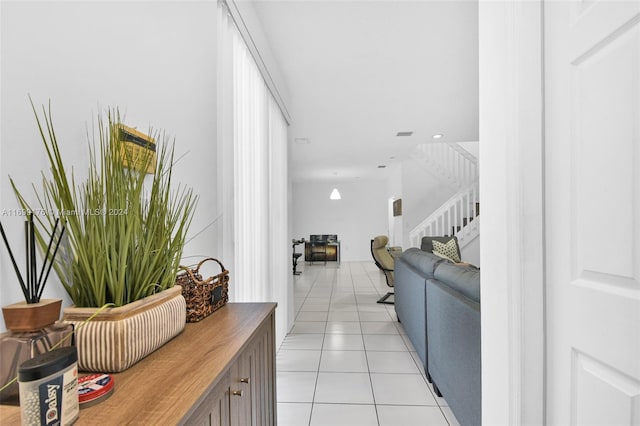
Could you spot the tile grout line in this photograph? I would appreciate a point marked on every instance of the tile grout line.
(315, 388)
(314, 282)
(373, 394)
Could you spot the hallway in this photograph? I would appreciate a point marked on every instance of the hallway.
(347, 360)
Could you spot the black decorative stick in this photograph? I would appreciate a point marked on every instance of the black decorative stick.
(15, 265)
(34, 261)
(53, 256)
(46, 256)
(27, 257)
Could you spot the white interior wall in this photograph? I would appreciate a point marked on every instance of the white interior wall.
(394, 189)
(157, 64)
(471, 252)
(422, 194)
(359, 216)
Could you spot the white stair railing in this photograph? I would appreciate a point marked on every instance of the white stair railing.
(449, 162)
(458, 216)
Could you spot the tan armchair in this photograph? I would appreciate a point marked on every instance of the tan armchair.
(384, 261)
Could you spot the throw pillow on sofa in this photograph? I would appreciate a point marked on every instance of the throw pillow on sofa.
(448, 250)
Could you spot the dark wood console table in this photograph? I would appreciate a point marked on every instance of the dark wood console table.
(219, 371)
(321, 251)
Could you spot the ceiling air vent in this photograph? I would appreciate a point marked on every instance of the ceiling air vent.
(404, 133)
(381, 166)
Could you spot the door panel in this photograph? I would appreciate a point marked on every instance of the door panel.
(253, 381)
(214, 410)
(592, 174)
(604, 91)
(240, 395)
(596, 384)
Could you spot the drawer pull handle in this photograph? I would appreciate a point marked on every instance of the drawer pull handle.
(237, 393)
(244, 380)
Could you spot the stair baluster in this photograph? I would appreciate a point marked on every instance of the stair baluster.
(458, 216)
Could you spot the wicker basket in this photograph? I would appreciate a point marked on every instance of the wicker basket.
(203, 296)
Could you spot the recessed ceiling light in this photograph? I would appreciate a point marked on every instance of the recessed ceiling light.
(381, 166)
(301, 141)
(437, 136)
(406, 133)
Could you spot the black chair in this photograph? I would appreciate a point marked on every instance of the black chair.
(295, 256)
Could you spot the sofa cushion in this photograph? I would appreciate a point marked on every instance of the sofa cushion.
(422, 261)
(448, 250)
(427, 243)
(465, 279)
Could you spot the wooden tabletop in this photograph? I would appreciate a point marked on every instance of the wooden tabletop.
(167, 385)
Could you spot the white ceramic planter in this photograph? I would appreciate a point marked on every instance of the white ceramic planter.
(117, 338)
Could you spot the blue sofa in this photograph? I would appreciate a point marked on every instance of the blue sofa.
(412, 270)
(438, 304)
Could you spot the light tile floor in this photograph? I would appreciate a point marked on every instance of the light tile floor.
(347, 360)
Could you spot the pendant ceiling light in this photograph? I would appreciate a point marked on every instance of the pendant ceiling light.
(335, 194)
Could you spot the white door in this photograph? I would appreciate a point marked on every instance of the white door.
(592, 176)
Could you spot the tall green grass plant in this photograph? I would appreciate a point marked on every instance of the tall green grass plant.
(125, 229)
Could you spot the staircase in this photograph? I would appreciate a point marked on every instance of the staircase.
(460, 214)
(449, 162)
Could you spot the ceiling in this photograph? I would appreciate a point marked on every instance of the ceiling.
(359, 72)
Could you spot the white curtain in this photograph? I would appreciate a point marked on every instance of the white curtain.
(254, 161)
(280, 247)
(225, 159)
(251, 140)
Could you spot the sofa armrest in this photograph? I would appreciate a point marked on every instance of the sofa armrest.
(463, 279)
(454, 352)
